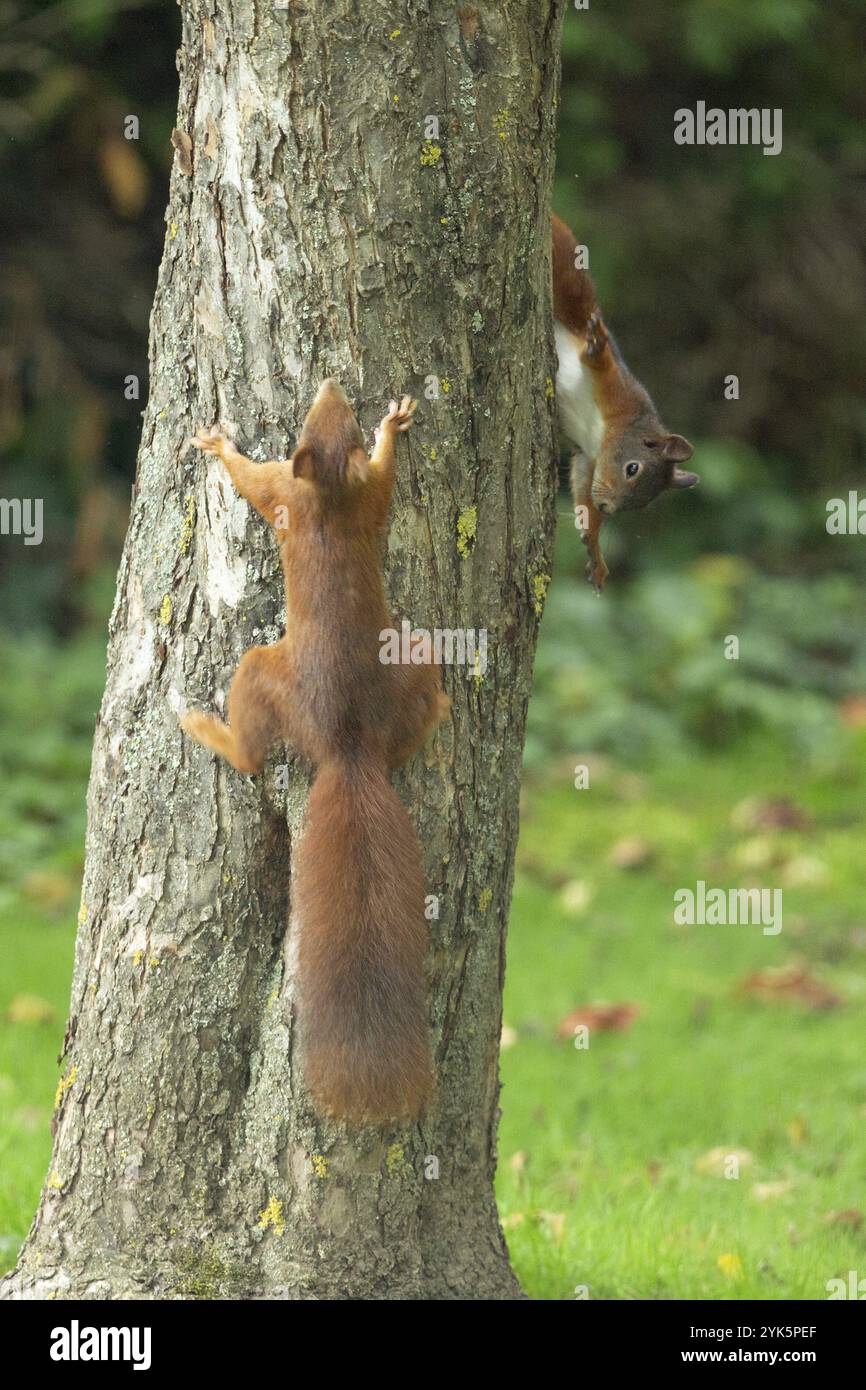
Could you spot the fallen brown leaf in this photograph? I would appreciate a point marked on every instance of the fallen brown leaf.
(29, 1008)
(553, 1222)
(851, 1218)
(631, 854)
(792, 983)
(604, 1018)
(516, 1218)
(50, 890)
(723, 1161)
(780, 814)
(769, 1191)
(852, 711)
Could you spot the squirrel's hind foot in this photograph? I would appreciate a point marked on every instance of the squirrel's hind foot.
(596, 338)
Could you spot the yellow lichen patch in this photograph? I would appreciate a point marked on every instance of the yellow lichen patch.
(485, 898)
(395, 1158)
(188, 526)
(154, 962)
(165, 611)
(173, 230)
(549, 388)
(445, 384)
(55, 1181)
(82, 913)
(395, 34)
(467, 527)
(434, 454)
(500, 123)
(430, 154)
(65, 1083)
(540, 586)
(137, 957)
(320, 1165)
(477, 673)
(271, 1219)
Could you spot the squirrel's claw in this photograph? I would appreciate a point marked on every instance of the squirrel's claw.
(596, 570)
(210, 439)
(399, 417)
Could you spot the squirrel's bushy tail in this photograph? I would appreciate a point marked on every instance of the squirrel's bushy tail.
(358, 900)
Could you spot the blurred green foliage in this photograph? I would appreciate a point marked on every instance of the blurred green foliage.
(81, 227)
(44, 773)
(644, 671)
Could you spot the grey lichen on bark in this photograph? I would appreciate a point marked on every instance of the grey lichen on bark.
(318, 224)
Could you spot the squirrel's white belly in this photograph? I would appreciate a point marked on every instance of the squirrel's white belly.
(579, 417)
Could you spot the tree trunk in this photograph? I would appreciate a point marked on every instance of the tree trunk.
(316, 227)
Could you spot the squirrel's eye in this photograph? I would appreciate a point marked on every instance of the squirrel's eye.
(632, 469)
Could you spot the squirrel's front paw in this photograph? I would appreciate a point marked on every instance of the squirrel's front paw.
(399, 417)
(212, 441)
(596, 338)
(596, 570)
(596, 573)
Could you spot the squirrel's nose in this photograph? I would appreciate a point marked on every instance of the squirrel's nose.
(603, 507)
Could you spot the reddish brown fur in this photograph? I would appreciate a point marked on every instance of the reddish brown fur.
(358, 882)
(575, 304)
(574, 296)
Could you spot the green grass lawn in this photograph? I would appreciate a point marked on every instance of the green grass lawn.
(601, 1180)
(48, 702)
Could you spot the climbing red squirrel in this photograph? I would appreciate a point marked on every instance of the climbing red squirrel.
(625, 457)
(358, 883)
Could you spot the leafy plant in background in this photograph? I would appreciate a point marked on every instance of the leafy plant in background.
(81, 225)
(642, 673)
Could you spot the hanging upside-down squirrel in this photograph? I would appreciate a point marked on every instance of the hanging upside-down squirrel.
(625, 457)
(358, 883)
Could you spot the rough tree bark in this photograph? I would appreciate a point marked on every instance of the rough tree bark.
(316, 226)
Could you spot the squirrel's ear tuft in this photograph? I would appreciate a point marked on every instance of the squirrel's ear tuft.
(304, 463)
(677, 449)
(679, 478)
(357, 466)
